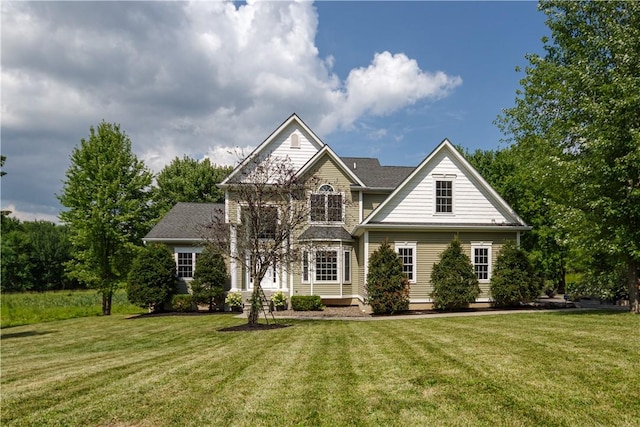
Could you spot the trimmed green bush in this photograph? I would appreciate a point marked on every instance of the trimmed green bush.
(183, 303)
(455, 284)
(387, 284)
(513, 281)
(152, 278)
(209, 280)
(306, 303)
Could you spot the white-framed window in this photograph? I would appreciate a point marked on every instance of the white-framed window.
(325, 205)
(186, 259)
(407, 251)
(444, 195)
(185, 264)
(346, 266)
(481, 260)
(326, 265)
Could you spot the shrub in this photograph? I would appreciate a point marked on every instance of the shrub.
(306, 303)
(513, 280)
(234, 300)
(183, 303)
(387, 285)
(279, 300)
(152, 278)
(209, 280)
(454, 281)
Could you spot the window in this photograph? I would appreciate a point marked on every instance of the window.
(346, 267)
(481, 257)
(305, 266)
(326, 205)
(295, 140)
(265, 221)
(185, 264)
(444, 196)
(407, 254)
(327, 266)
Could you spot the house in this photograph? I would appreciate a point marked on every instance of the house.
(356, 205)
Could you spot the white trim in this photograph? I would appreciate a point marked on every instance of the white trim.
(338, 160)
(414, 248)
(444, 178)
(518, 239)
(233, 263)
(361, 208)
(366, 257)
(226, 206)
(255, 153)
(447, 145)
(489, 247)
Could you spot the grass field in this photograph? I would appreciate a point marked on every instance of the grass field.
(561, 368)
(35, 307)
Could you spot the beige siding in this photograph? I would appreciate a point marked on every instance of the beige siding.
(429, 247)
(326, 171)
(371, 201)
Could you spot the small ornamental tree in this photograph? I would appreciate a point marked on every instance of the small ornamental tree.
(513, 280)
(387, 284)
(209, 279)
(455, 284)
(152, 279)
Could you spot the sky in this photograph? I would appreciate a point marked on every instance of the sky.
(208, 79)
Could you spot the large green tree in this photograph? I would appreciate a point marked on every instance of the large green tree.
(578, 114)
(107, 194)
(189, 180)
(510, 173)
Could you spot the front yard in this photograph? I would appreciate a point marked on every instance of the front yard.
(560, 368)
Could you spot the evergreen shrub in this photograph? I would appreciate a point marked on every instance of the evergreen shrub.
(209, 279)
(152, 277)
(454, 281)
(513, 281)
(387, 284)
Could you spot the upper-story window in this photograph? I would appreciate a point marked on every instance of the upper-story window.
(444, 196)
(326, 205)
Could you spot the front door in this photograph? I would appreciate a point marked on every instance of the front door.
(269, 281)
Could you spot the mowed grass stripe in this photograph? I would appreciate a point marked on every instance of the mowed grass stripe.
(491, 370)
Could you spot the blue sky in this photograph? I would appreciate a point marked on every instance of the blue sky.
(381, 79)
(482, 42)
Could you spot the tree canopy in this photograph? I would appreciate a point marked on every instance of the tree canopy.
(189, 180)
(107, 196)
(577, 116)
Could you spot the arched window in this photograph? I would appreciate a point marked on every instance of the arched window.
(326, 205)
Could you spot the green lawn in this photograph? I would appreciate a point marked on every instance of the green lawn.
(565, 369)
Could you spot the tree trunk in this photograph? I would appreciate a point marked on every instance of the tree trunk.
(106, 302)
(632, 281)
(254, 313)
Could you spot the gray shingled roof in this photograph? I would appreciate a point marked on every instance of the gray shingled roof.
(185, 221)
(318, 232)
(374, 175)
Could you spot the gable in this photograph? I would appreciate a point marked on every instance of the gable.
(474, 201)
(292, 141)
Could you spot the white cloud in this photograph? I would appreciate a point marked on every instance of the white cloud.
(195, 79)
